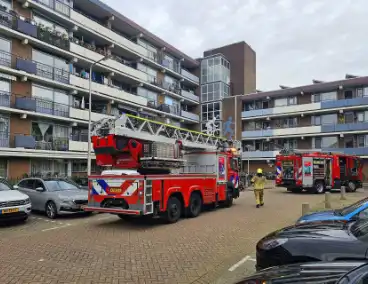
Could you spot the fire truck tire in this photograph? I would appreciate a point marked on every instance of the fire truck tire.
(230, 199)
(174, 210)
(195, 205)
(351, 186)
(319, 187)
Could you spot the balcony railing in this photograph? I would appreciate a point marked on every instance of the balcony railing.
(33, 67)
(35, 142)
(157, 57)
(189, 95)
(12, 20)
(173, 109)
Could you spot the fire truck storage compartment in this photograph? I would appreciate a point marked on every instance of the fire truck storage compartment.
(201, 163)
(315, 169)
(287, 169)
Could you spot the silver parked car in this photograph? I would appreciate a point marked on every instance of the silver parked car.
(53, 196)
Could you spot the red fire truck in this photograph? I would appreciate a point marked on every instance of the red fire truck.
(178, 171)
(318, 171)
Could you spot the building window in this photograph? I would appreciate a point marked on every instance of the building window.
(211, 110)
(325, 142)
(285, 101)
(214, 69)
(51, 101)
(321, 97)
(47, 167)
(362, 141)
(349, 141)
(152, 51)
(50, 66)
(151, 73)
(287, 122)
(173, 104)
(325, 119)
(149, 95)
(50, 136)
(214, 91)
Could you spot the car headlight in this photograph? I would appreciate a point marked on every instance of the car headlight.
(27, 201)
(300, 221)
(271, 244)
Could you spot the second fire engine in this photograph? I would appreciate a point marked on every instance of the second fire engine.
(177, 171)
(318, 171)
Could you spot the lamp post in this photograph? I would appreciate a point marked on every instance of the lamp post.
(90, 111)
(248, 147)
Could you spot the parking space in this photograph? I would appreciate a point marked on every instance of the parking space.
(217, 247)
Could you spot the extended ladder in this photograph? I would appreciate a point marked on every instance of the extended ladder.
(144, 129)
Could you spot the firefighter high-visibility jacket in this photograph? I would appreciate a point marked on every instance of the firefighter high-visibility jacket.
(259, 182)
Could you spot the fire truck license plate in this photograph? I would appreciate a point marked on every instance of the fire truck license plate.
(115, 190)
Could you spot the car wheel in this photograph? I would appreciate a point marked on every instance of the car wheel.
(351, 187)
(51, 210)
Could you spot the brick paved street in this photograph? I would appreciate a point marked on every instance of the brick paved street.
(104, 249)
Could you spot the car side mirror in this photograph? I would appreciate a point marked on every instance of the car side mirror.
(15, 187)
(39, 189)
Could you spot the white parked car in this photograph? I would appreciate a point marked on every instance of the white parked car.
(14, 205)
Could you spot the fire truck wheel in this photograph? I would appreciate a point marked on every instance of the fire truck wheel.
(319, 187)
(174, 209)
(352, 186)
(195, 205)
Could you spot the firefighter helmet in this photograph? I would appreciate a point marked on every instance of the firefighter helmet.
(259, 171)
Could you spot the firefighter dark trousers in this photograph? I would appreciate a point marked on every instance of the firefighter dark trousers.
(258, 193)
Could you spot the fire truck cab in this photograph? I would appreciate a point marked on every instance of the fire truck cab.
(318, 171)
(173, 172)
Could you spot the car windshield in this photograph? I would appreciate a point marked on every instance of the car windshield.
(351, 208)
(58, 185)
(4, 187)
(359, 228)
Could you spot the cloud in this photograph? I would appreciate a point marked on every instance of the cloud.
(295, 41)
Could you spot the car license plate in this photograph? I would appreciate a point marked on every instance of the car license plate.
(11, 210)
(115, 190)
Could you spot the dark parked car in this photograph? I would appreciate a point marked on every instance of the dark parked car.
(334, 272)
(315, 241)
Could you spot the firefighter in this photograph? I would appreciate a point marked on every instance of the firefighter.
(259, 181)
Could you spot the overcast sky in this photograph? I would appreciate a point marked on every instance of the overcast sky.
(295, 40)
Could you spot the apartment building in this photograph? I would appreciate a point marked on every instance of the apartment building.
(46, 50)
(327, 116)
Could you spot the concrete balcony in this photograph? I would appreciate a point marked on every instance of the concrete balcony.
(259, 154)
(346, 127)
(189, 76)
(190, 115)
(105, 32)
(78, 146)
(282, 132)
(107, 90)
(281, 110)
(92, 55)
(189, 95)
(82, 114)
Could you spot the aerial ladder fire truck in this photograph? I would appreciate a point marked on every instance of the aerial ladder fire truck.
(318, 171)
(165, 171)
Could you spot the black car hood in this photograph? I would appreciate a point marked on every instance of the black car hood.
(313, 230)
(312, 272)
